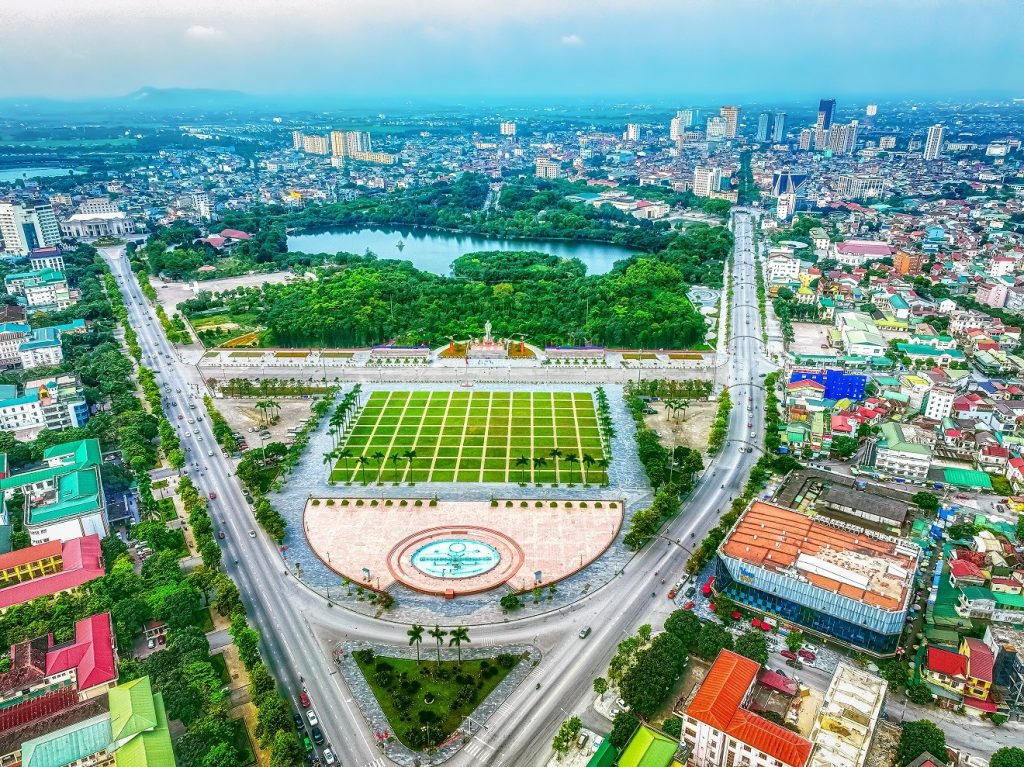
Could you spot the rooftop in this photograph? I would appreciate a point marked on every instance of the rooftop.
(856, 565)
(82, 562)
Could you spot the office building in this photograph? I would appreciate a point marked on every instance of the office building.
(822, 575)
(826, 110)
(84, 226)
(202, 205)
(887, 142)
(507, 128)
(805, 140)
(779, 128)
(64, 498)
(721, 728)
(632, 132)
(706, 181)
(48, 569)
(762, 127)
(730, 114)
(47, 258)
(933, 144)
(26, 226)
(717, 128)
(845, 725)
(860, 187)
(345, 143)
(545, 167)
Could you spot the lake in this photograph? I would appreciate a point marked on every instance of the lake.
(13, 174)
(434, 251)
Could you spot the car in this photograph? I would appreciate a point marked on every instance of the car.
(188, 434)
(318, 735)
(220, 534)
(672, 593)
(311, 716)
(807, 655)
(199, 437)
(252, 533)
(300, 723)
(688, 606)
(304, 700)
(750, 424)
(794, 664)
(690, 591)
(181, 417)
(788, 654)
(209, 453)
(213, 496)
(191, 420)
(151, 644)
(329, 757)
(622, 704)
(584, 632)
(307, 743)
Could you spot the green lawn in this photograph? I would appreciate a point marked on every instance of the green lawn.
(242, 742)
(402, 688)
(476, 436)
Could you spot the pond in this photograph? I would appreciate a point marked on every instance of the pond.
(13, 174)
(434, 251)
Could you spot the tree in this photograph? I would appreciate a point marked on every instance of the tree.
(753, 645)
(600, 685)
(361, 461)
(523, 463)
(1008, 756)
(794, 640)
(459, 634)
(566, 735)
(228, 601)
(920, 694)
(415, 634)
(286, 750)
(895, 672)
(844, 446)
(573, 461)
(925, 501)
(510, 602)
(555, 454)
(223, 754)
(712, 640)
(438, 634)
(685, 625)
(623, 726)
(918, 737)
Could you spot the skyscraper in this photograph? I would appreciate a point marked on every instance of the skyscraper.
(805, 140)
(826, 108)
(718, 128)
(842, 139)
(632, 132)
(508, 128)
(680, 123)
(779, 128)
(706, 181)
(730, 115)
(933, 144)
(872, 110)
(762, 127)
(345, 143)
(24, 226)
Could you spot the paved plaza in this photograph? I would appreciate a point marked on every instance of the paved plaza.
(386, 541)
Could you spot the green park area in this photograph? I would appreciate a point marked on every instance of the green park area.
(478, 436)
(425, 701)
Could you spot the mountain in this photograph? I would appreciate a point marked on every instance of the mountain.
(147, 99)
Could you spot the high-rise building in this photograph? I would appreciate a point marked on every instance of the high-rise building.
(547, 168)
(779, 128)
(805, 140)
(730, 114)
(202, 206)
(679, 124)
(857, 187)
(871, 111)
(842, 139)
(508, 128)
(297, 140)
(706, 181)
(933, 144)
(718, 128)
(312, 144)
(25, 226)
(632, 132)
(345, 143)
(826, 110)
(887, 142)
(762, 127)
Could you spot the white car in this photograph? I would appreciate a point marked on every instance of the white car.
(252, 534)
(329, 756)
(311, 714)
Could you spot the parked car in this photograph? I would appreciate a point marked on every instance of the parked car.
(688, 606)
(304, 700)
(311, 716)
(213, 496)
(672, 594)
(788, 654)
(300, 723)
(318, 736)
(329, 757)
(807, 655)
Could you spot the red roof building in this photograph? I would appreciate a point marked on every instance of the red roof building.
(81, 562)
(717, 724)
(235, 234)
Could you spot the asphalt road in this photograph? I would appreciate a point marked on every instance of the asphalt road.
(297, 627)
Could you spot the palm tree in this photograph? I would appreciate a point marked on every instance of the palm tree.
(602, 464)
(539, 462)
(262, 406)
(379, 457)
(362, 461)
(522, 462)
(438, 634)
(415, 634)
(329, 457)
(555, 454)
(274, 405)
(572, 460)
(344, 454)
(459, 635)
(588, 461)
(409, 456)
(395, 458)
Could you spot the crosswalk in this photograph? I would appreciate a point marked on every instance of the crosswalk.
(380, 761)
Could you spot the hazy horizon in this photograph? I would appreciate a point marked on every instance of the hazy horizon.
(454, 50)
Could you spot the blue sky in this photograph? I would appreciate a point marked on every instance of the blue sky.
(454, 49)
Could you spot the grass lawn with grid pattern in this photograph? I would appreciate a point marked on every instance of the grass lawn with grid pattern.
(474, 436)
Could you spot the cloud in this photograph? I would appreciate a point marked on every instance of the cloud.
(200, 32)
(572, 39)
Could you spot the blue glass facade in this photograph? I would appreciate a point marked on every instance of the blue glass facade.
(838, 383)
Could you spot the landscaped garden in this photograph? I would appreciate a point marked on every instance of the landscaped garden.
(479, 436)
(425, 700)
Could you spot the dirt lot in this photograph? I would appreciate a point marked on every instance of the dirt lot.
(690, 428)
(242, 415)
(809, 337)
(176, 292)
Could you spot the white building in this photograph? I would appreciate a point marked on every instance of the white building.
(632, 132)
(782, 267)
(706, 180)
(938, 402)
(202, 206)
(45, 404)
(47, 258)
(42, 289)
(97, 205)
(717, 128)
(730, 114)
(27, 226)
(92, 225)
(897, 454)
(933, 144)
(545, 167)
(846, 722)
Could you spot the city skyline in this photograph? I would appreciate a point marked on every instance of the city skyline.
(455, 49)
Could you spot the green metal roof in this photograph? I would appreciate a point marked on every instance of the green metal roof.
(649, 748)
(139, 726)
(68, 744)
(604, 756)
(76, 478)
(967, 478)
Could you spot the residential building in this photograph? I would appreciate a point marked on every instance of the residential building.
(56, 404)
(25, 226)
(906, 262)
(842, 139)
(202, 205)
(933, 144)
(938, 402)
(804, 140)
(720, 728)
(730, 114)
(705, 181)
(679, 124)
(507, 128)
(887, 143)
(546, 167)
(992, 294)
(315, 144)
(762, 127)
(64, 499)
(962, 678)
(860, 187)
(345, 143)
(49, 569)
(41, 289)
(717, 128)
(845, 725)
(823, 123)
(1007, 645)
(46, 258)
(897, 454)
(380, 158)
(632, 132)
(779, 127)
(822, 575)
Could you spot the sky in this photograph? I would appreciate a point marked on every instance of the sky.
(483, 49)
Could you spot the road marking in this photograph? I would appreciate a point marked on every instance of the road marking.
(378, 762)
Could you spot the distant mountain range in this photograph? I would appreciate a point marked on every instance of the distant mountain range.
(146, 99)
